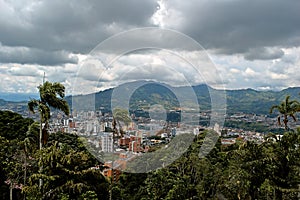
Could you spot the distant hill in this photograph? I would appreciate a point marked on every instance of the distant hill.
(4, 103)
(252, 101)
(147, 94)
(17, 97)
(150, 93)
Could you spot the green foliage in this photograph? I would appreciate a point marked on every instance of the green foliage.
(241, 171)
(245, 170)
(286, 109)
(13, 126)
(121, 115)
(89, 195)
(247, 126)
(245, 100)
(151, 94)
(15, 151)
(51, 96)
(66, 174)
(66, 170)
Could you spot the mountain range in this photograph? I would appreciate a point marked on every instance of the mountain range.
(139, 95)
(144, 94)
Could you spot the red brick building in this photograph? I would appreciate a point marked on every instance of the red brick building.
(135, 144)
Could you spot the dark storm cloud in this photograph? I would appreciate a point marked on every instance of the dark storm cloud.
(227, 26)
(263, 54)
(75, 26)
(236, 26)
(25, 55)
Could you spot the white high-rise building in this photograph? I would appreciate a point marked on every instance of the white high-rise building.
(107, 142)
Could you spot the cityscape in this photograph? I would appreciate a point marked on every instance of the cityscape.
(149, 100)
(142, 134)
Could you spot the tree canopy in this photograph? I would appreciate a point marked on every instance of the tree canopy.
(286, 108)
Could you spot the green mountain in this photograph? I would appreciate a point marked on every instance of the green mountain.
(142, 95)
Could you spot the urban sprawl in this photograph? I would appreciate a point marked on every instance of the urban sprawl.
(142, 134)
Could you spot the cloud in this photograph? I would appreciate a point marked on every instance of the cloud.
(235, 71)
(253, 43)
(260, 74)
(233, 27)
(275, 76)
(69, 25)
(173, 68)
(25, 55)
(161, 66)
(264, 54)
(229, 27)
(249, 72)
(16, 84)
(30, 71)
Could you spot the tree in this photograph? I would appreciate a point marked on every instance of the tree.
(68, 171)
(13, 128)
(286, 109)
(28, 146)
(51, 95)
(120, 115)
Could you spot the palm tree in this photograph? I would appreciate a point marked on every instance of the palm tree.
(51, 95)
(286, 109)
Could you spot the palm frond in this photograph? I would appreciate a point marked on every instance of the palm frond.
(274, 107)
(52, 95)
(293, 116)
(45, 111)
(59, 89)
(278, 121)
(287, 99)
(32, 104)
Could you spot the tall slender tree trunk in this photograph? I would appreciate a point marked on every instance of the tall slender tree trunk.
(40, 147)
(25, 171)
(11, 191)
(111, 181)
(298, 191)
(25, 174)
(285, 121)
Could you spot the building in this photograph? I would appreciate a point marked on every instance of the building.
(111, 171)
(107, 142)
(135, 144)
(124, 142)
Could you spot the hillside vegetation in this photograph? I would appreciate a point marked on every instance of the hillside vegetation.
(150, 93)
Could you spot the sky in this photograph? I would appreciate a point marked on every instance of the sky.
(244, 43)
